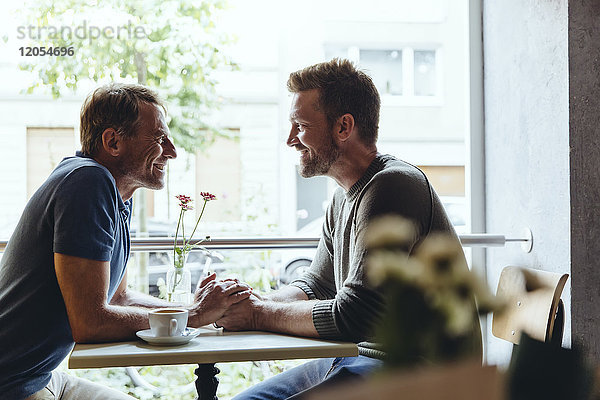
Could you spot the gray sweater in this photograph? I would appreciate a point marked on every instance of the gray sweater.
(349, 307)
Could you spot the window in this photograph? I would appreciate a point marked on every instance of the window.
(416, 52)
(425, 73)
(385, 67)
(424, 98)
(224, 181)
(403, 75)
(312, 199)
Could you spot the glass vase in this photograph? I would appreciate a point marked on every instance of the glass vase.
(179, 280)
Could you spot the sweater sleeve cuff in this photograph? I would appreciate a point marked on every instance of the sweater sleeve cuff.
(322, 314)
(305, 288)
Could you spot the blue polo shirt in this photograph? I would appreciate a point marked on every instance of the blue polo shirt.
(78, 211)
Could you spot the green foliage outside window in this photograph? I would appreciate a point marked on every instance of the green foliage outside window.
(172, 46)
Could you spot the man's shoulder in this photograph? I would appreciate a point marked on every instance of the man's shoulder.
(84, 170)
(75, 163)
(81, 178)
(398, 186)
(397, 172)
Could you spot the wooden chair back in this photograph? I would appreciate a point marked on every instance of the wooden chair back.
(533, 305)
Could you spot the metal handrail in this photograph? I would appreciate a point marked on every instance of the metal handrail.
(266, 243)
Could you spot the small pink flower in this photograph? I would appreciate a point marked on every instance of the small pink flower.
(208, 196)
(183, 198)
(186, 207)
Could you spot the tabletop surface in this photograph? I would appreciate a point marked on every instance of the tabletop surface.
(211, 346)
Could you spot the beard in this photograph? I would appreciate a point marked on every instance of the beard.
(141, 175)
(316, 164)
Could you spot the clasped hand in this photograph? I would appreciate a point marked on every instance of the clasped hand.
(243, 315)
(213, 297)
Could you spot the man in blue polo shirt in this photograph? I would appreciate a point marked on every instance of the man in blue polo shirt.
(62, 276)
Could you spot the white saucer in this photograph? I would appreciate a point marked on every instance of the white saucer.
(147, 336)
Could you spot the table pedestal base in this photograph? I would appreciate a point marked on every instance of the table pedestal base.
(207, 382)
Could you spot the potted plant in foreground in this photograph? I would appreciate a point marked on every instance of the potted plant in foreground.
(432, 298)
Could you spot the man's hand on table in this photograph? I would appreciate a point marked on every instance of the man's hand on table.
(254, 313)
(213, 297)
(243, 315)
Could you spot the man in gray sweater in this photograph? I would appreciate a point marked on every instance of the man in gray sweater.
(334, 117)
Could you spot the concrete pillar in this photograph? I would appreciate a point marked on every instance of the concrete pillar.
(584, 143)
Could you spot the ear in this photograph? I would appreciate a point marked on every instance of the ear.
(344, 127)
(111, 142)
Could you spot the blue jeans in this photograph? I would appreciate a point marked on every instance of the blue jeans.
(299, 381)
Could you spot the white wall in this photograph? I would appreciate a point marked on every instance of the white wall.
(527, 138)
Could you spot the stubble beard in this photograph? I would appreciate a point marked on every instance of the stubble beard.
(319, 164)
(142, 178)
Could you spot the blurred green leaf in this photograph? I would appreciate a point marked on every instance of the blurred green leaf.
(171, 46)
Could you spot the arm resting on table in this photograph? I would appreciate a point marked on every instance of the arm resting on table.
(294, 317)
(286, 294)
(84, 286)
(127, 297)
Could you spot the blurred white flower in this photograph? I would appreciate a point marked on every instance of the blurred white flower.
(457, 304)
(442, 258)
(435, 280)
(460, 314)
(386, 264)
(390, 231)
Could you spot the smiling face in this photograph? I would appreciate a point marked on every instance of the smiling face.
(145, 157)
(311, 135)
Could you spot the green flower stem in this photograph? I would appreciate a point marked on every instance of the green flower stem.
(197, 222)
(183, 210)
(176, 280)
(177, 277)
(177, 233)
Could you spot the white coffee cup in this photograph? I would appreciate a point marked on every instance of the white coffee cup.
(168, 321)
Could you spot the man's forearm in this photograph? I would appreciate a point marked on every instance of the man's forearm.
(126, 314)
(115, 322)
(111, 323)
(293, 317)
(139, 299)
(287, 294)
